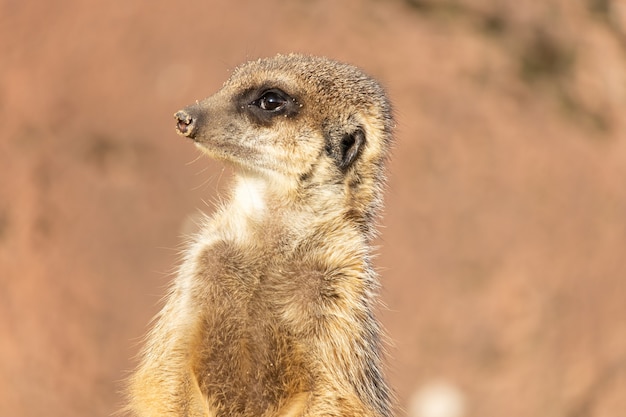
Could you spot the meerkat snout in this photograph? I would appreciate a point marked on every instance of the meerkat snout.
(185, 123)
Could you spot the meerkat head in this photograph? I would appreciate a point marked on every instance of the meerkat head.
(301, 121)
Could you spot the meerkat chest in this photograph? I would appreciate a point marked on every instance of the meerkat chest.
(259, 283)
(249, 360)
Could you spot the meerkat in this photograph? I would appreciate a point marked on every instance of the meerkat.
(272, 311)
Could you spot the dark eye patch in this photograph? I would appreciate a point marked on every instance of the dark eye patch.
(265, 103)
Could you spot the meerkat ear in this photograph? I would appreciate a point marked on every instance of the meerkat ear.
(350, 146)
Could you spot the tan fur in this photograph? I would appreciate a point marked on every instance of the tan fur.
(271, 313)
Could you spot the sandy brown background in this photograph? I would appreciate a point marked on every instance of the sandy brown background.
(503, 252)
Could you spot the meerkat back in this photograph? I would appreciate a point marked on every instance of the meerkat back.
(272, 310)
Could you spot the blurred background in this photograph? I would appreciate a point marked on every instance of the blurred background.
(503, 247)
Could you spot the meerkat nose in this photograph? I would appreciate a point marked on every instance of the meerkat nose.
(185, 124)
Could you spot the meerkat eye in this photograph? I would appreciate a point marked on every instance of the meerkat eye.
(270, 101)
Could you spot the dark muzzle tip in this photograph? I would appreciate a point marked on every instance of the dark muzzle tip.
(184, 123)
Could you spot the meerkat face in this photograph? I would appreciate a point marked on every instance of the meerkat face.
(294, 117)
(256, 126)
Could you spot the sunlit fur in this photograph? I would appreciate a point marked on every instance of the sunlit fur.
(271, 313)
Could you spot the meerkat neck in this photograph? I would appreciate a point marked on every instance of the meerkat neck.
(258, 199)
(250, 194)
